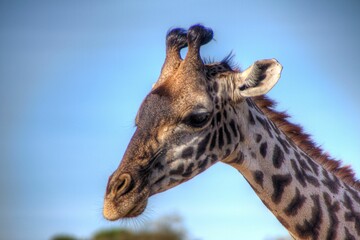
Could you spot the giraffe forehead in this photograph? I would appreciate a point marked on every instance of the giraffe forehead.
(154, 110)
(183, 90)
(178, 94)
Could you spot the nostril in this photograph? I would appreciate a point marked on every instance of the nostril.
(123, 185)
(120, 186)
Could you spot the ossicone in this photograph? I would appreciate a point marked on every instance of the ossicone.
(176, 39)
(179, 38)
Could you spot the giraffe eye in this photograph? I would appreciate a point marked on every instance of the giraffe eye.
(197, 120)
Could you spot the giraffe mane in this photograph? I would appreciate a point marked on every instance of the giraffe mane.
(304, 141)
(227, 62)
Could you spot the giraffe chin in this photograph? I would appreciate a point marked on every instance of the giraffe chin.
(112, 212)
(137, 210)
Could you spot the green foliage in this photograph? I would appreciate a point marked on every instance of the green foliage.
(121, 234)
(63, 237)
(112, 234)
(165, 228)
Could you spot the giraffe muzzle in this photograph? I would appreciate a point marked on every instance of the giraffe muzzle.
(122, 199)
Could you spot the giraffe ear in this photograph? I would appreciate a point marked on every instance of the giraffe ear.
(257, 80)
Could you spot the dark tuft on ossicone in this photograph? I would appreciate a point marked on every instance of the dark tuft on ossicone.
(176, 38)
(199, 35)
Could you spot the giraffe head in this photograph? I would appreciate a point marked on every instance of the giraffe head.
(185, 124)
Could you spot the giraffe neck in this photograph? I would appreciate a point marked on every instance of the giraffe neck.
(310, 201)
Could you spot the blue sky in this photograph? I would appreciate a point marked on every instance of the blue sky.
(73, 74)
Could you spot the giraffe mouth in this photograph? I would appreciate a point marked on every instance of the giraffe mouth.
(114, 212)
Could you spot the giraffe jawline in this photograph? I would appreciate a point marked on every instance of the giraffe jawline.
(137, 210)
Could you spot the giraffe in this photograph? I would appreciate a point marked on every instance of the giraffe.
(200, 113)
